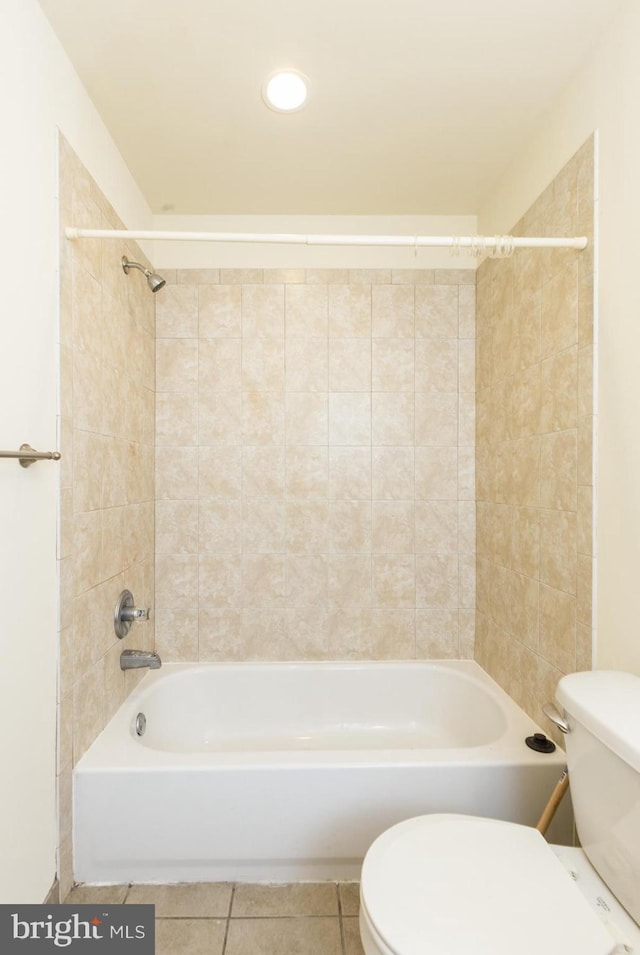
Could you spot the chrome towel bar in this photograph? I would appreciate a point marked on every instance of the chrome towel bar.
(27, 456)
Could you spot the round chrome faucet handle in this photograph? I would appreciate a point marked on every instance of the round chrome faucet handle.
(125, 613)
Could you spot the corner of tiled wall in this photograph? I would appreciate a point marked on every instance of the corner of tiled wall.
(315, 464)
(535, 426)
(106, 434)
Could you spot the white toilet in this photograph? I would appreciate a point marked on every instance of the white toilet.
(463, 885)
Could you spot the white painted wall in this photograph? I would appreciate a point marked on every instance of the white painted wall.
(605, 94)
(39, 92)
(199, 255)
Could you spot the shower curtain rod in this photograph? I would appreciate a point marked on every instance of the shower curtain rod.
(478, 244)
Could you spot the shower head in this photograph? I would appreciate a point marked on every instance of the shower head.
(154, 281)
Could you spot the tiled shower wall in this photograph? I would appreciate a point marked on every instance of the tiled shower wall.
(535, 334)
(315, 465)
(106, 425)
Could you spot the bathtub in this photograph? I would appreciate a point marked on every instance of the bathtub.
(285, 772)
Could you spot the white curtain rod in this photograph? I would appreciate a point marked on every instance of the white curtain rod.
(478, 244)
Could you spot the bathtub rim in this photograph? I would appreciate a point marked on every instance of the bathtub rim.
(117, 750)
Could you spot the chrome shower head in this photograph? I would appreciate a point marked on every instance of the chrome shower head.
(154, 280)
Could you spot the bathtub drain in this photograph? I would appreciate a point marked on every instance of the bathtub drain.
(141, 724)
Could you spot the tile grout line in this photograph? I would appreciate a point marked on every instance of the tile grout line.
(340, 925)
(226, 931)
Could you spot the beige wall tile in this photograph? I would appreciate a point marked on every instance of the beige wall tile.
(176, 364)
(393, 365)
(263, 581)
(177, 311)
(558, 628)
(350, 527)
(558, 470)
(263, 364)
(392, 311)
(218, 581)
(437, 634)
(349, 634)
(307, 418)
(393, 637)
(349, 364)
(220, 635)
(393, 473)
(436, 526)
(349, 582)
(262, 311)
(177, 635)
(306, 581)
(177, 527)
(437, 581)
(559, 408)
(306, 527)
(558, 556)
(220, 311)
(262, 418)
(263, 524)
(307, 311)
(242, 276)
(192, 276)
(307, 472)
(560, 311)
(437, 366)
(394, 581)
(220, 527)
(263, 473)
(436, 473)
(307, 634)
(350, 473)
(393, 419)
(219, 365)
(350, 310)
(349, 419)
(219, 473)
(393, 527)
(436, 420)
(436, 311)
(176, 579)
(307, 361)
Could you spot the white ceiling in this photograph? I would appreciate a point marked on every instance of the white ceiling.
(416, 106)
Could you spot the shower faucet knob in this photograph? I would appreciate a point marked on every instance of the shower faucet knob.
(126, 613)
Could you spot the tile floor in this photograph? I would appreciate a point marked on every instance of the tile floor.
(221, 918)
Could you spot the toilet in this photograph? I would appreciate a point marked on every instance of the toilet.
(462, 885)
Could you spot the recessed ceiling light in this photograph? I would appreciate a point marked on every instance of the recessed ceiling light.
(286, 91)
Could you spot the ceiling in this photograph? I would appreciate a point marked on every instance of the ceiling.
(416, 106)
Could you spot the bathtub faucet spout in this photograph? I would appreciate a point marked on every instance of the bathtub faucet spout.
(134, 659)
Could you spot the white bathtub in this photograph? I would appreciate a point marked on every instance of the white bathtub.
(283, 772)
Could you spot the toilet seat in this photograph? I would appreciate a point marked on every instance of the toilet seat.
(462, 885)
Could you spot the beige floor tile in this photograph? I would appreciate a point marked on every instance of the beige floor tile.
(190, 936)
(349, 898)
(87, 894)
(284, 936)
(352, 943)
(197, 900)
(304, 898)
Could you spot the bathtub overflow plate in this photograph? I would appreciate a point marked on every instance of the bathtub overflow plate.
(141, 724)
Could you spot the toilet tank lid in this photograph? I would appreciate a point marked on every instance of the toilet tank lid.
(607, 704)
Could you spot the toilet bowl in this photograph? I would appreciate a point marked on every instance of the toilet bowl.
(463, 885)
